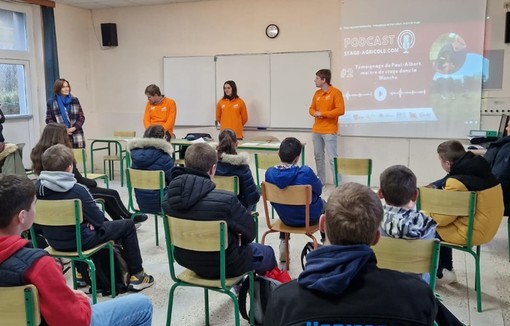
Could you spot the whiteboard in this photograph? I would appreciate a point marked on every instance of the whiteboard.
(292, 87)
(251, 74)
(190, 82)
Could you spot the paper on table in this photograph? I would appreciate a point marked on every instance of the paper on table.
(198, 140)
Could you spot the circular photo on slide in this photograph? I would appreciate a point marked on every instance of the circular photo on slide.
(448, 53)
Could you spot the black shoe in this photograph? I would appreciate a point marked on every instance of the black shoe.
(140, 218)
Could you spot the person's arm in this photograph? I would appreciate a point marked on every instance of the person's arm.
(50, 117)
(89, 183)
(170, 121)
(218, 112)
(241, 221)
(59, 304)
(315, 182)
(244, 112)
(91, 213)
(338, 107)
(313, 106)
(147, 116)
(2, 117)
(248, 189)
(80, 120)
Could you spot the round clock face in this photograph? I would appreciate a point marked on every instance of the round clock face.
(272, 31)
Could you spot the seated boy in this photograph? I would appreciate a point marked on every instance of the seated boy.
(467, 171)
(55, 182)
(20, 264)
(192, 195)
(401, 220)
(288, 173)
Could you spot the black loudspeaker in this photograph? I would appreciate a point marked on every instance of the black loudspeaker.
(507, 27)
(109, 34)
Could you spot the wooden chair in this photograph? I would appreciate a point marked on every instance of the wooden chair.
(207, 236)
(352, 166)
(455, 203)
(19, 305)
(120, 155)
(409, 256)
(146, 180)
(80, 155)
(291, 195)
(264, 162)
(68, 212)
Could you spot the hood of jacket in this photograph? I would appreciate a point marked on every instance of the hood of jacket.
(407, 223)
(284, 175)
(8, 149)
(330, 269)
(150, 142)
(57, 181)
(9, 245)
(242, 158)
(474, 172)
(188, 187)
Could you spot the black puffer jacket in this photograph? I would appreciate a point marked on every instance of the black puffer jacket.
(191, 195)
(498, 156)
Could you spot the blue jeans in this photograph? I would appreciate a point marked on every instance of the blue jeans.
(129, 310)
(324, 143)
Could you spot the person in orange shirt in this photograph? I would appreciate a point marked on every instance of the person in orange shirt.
(231, 111)
(327, 105)
(160, 110)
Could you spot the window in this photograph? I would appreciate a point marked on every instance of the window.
(13, 31)
(13, 95)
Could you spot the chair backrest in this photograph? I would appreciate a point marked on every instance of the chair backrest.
(124, 133)
(146, 180)
(64, 212)
(445, 202)
(409, 256)
(228, 183)
(81, 158)
(353, 166)
(291, 195)
(206, 236)
(264, 162)
(19, 305)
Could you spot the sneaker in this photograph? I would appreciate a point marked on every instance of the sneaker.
(80, 281)
(140, 218)
(282, 251)
(140, 281)
(449, 277)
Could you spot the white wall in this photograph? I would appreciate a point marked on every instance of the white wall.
(110, 82)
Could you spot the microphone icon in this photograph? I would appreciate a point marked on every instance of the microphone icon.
(406, 43)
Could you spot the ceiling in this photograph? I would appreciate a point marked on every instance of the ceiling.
(103, 4)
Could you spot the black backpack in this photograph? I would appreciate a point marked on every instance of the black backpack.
(101, 261)
(264, 286)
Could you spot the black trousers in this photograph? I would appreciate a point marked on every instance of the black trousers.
(112, 202)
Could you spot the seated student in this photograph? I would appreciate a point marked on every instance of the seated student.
(401, 220)
(55, 182)
(341, 283)
(230, 163)
(20, 264)
(466, 171)
(288, 173)
(192, 195)
(152, 152)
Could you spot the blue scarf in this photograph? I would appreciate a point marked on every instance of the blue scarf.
(64, 105)
(331, 269)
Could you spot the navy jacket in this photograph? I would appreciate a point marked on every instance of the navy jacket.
(498, 156)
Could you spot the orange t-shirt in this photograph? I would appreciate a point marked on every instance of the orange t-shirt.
(232, 114)
(331, 105)
(162, 114)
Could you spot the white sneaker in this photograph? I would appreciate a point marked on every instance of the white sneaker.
(449, 277)
(282, 251)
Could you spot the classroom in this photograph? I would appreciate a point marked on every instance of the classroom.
(110, 80)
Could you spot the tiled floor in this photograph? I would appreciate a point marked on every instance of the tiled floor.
(460, 297)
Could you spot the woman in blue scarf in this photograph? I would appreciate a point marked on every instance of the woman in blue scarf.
(65, 109)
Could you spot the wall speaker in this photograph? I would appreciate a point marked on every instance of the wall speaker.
(109, 34)
(507, 27)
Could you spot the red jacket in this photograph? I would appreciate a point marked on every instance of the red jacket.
(59, 305)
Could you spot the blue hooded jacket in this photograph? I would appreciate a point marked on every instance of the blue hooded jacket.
(294, 175)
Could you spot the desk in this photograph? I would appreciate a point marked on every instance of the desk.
(119, 150)
(253, 146)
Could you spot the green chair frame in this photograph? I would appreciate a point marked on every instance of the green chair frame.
(68, 212)
(146, 180)
(456, 203)
(19, 305)
(80, 155)
(352, 166)
(207, 236)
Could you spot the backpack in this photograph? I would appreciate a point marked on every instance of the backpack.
(101, 261)
(263, 287)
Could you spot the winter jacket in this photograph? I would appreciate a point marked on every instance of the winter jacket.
(11, 161)
(498, 156)
(292, 175)
(191, 195)
(59, 305)
(341, 285)
(151, 154)
(404, 223)
(471, 172)
(237, 165)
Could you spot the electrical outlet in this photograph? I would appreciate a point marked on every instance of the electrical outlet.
(506, 5)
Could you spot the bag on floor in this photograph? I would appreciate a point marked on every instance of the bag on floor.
(101, 260)
(263, 287)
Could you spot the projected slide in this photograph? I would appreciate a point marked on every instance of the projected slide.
(418, 75)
